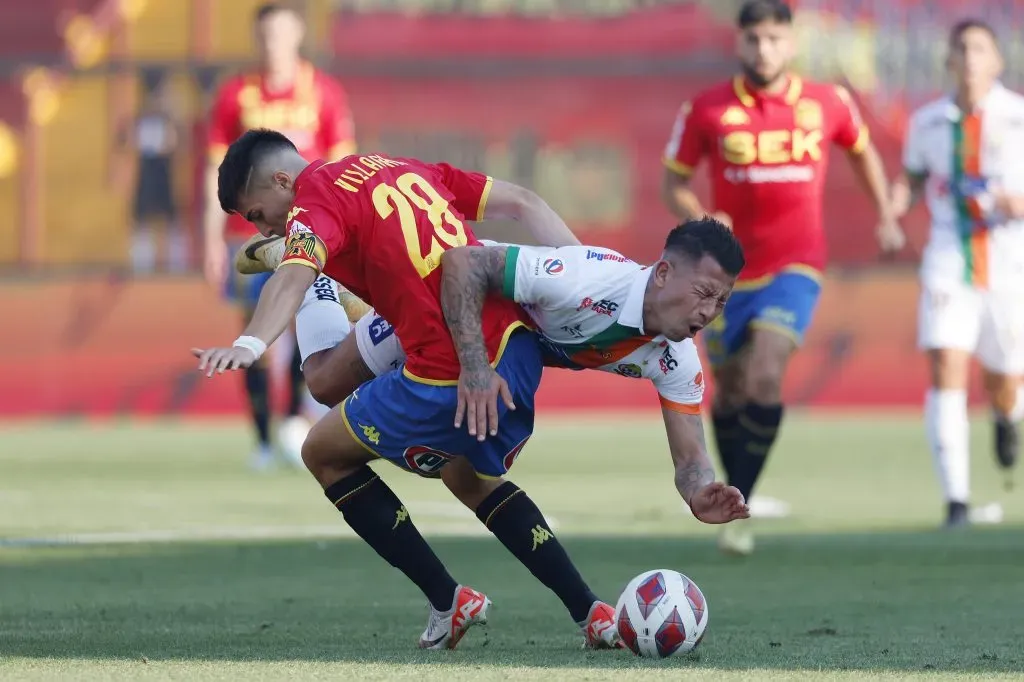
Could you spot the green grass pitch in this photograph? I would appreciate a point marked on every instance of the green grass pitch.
(146, 550)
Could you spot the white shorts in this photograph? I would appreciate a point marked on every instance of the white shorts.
(378, 344)
(988, 324)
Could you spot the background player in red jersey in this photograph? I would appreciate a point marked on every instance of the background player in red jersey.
(290, 95)
(378, 226)
(766, 134)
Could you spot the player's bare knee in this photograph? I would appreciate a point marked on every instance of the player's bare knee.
(318, 379)
(462, 481)
(330, 453)
(730, 393)
(764, 382)
(1002, 391)
(948, 368)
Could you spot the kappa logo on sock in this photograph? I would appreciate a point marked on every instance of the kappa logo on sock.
(400, 516)
(540, 536)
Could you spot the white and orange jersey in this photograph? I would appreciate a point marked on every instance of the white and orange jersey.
(587, 303)
(966, 156)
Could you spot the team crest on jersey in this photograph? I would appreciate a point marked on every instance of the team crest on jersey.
(306, 247)
(807, 114)
(734, 116)
(629, 370)
(553, 267)
(295, 227)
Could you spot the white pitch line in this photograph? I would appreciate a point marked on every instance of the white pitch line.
(467, 526)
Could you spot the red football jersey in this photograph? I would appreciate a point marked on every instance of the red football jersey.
(314, 114)
(769, 157)
(378, 225)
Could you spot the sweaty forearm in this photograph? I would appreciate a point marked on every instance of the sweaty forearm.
(464, 287)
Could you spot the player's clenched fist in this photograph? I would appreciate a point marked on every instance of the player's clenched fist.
(219, 359)
(718, 503)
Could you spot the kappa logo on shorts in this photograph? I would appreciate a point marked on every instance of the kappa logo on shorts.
(380, 329)
(371, 434)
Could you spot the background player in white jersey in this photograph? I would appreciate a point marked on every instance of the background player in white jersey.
(965, 151)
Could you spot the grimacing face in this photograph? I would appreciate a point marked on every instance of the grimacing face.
(267, 204)
(974, 60)
(687, 296)
(279, 36)
(764, 51)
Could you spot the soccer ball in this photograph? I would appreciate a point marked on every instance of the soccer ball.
(661, 613)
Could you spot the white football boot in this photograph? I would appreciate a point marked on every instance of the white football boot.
(446, 628)
(736, 538)
(290, 437)
(259, 254)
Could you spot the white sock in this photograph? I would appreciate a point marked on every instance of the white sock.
(1017, 413)
(945, 416)
(143, 251)
(321, 322)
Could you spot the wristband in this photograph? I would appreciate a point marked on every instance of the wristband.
(251, 343)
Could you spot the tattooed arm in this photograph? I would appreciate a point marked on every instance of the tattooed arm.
(468, 274)
(709, 501)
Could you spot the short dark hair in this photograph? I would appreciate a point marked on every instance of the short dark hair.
(707, 236)
(269, 8)
(754, 12)
(961, 27)
(245, 154)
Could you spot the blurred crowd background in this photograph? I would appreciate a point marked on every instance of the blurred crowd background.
(104, 102)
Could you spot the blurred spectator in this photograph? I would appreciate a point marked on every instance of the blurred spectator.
(154, 137)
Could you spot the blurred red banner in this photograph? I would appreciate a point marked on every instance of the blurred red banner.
(107, 347)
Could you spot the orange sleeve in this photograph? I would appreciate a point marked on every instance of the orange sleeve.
(679, 407)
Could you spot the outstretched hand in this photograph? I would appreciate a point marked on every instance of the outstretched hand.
(719, 503)
(219, 359)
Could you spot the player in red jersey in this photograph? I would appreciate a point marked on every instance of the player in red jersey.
(766, 134)
(290, 95)
(378, 226)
